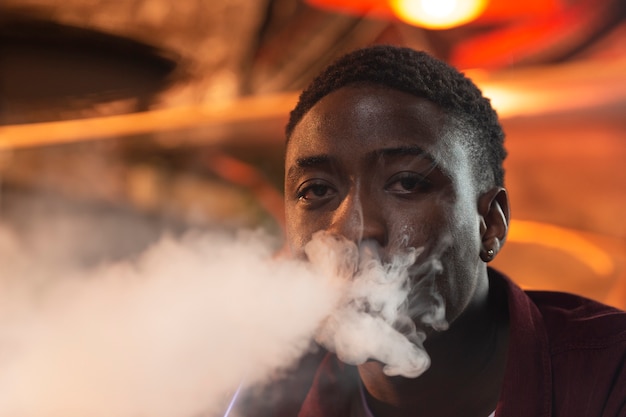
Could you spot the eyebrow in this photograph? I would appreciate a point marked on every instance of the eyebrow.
(322, 159)
(312, 161)
(308, 162)
(403, 151)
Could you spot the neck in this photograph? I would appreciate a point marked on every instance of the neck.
(466, 372)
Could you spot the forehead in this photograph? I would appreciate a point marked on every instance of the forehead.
(366, 118)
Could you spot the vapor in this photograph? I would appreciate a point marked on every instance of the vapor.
(375, 318)
(174, 331)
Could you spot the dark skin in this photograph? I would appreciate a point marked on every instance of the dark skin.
(368, 162)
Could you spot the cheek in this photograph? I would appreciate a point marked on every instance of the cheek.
(425, 226)
(464, 217)
(294, 234)
(299, 229)
(460, 261)
(462, 240)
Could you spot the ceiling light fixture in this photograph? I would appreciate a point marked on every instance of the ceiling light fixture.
(438, 14)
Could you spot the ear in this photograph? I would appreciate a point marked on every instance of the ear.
(493, 209)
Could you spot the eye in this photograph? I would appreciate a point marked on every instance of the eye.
(408, 182)
(315, 191)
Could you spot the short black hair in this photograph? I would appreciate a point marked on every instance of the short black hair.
(417, 73)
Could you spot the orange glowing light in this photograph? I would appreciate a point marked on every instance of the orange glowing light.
(438, 14)
(526, 231)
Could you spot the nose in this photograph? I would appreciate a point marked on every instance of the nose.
(360, 217)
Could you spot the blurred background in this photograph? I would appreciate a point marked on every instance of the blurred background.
(123, 120)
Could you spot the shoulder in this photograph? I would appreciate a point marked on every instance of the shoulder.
(570, 321)
(575, 322)
(587, 346)
(573, 348)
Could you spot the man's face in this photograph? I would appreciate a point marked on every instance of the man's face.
(372, 163)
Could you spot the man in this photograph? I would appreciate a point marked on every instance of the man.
(389, 144)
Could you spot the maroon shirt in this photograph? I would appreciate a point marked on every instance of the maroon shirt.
(566, 358)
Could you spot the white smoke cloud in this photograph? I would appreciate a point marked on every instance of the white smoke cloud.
(371, 320)
(174, 331)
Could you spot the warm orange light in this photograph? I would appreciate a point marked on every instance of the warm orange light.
(438, 14)
(571, 242)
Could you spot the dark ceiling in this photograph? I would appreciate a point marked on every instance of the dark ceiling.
(79, 58)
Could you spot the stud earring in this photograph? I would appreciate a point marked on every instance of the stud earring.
(490, 253)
